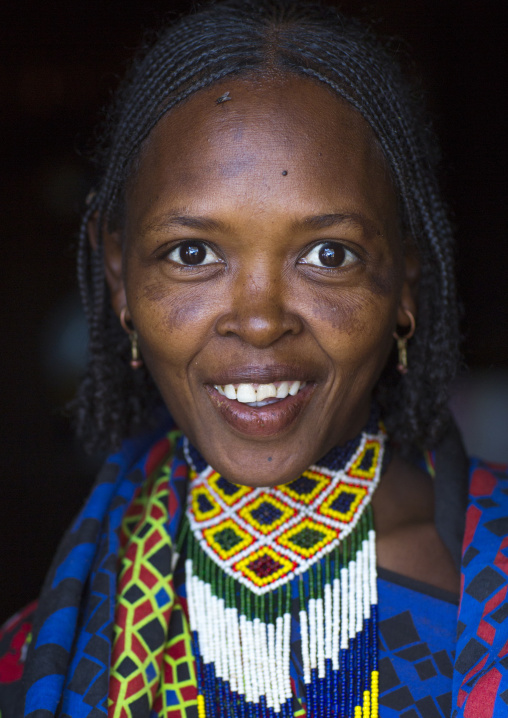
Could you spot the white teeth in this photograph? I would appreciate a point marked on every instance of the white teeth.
(257, 395)
(283, 390)
(266, 391)
(294, 388)
(230, 391)
(245, 393)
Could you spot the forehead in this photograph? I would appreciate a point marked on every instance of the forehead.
(248, 138)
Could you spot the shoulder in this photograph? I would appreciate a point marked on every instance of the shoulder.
(15, 638)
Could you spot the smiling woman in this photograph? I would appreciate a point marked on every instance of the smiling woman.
(280, 531)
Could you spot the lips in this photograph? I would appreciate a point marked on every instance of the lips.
(261, 410)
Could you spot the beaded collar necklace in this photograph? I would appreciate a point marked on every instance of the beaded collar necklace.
(255, 556)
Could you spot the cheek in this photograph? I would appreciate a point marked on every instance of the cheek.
(178, 310)
(342, 312)
(354, 327)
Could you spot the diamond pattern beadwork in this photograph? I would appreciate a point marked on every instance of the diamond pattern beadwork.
(265, 537)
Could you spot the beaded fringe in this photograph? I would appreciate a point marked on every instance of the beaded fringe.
(242, 641)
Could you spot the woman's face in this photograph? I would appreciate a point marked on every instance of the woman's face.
(261, 255)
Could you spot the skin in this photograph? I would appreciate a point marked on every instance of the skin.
(261, 182)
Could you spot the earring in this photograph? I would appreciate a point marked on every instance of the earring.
(135, 361)
(402, 343)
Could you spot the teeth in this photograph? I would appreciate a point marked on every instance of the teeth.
(230, 391)
(256, 395)
(265, 391)
(245, 393)
(283, 390)
(294, 388)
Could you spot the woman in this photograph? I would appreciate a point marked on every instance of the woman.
(267, 221)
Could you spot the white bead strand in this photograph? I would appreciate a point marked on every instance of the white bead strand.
(328, 621)
(344, 601)
(245, 664)
(279, 655)
(320, 638)
(351, 601)
(312, 634)
(304, 631)
(336, 624)
(287, 656)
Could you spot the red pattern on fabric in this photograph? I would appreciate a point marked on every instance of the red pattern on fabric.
(501, 561)
(483, 483)
(147, 577)
(504, 650)
(114, 688)
(135, 685)
(461, 698)
(473, 516)
(487, 632)
(155, 537)
(189, 693)
(12, 664)
(495, 601)
(157, 455)
(178, 650)
(481, 700)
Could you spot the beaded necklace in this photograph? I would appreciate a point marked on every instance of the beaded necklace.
(255, 557)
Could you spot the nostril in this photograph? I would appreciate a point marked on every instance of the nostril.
(260, 331)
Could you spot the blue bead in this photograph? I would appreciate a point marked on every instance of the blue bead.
(328, 685)
(243, 706)
(287, 709)
(336, 693)
(308, 693)
(343, 682)
(374, 637)
(314, 683)
(358, 670)
(228, 698)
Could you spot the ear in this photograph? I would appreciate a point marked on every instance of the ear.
(409, 294)
(113, 258)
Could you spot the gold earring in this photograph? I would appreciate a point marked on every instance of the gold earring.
(402, 343)
(136, 362)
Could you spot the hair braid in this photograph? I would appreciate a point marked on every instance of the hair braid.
(242, 37)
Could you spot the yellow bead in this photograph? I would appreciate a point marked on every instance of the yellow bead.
(201, 707)
(366, 704)
(358, 712)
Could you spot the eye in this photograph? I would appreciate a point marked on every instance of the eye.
(330, 255)
(193, 254)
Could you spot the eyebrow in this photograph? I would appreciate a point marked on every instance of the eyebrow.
(322, 221)
(207, 224)
(165, 222)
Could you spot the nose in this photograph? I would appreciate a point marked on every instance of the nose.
(258, 312)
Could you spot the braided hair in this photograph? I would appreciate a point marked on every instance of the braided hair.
(242, 37)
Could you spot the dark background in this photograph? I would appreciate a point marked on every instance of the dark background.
(60, 61)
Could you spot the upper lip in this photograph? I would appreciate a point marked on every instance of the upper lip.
(260, 374)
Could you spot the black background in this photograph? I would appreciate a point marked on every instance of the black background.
(60, 61)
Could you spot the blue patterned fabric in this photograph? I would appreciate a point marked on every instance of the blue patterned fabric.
(480, 679)
(417, 630)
